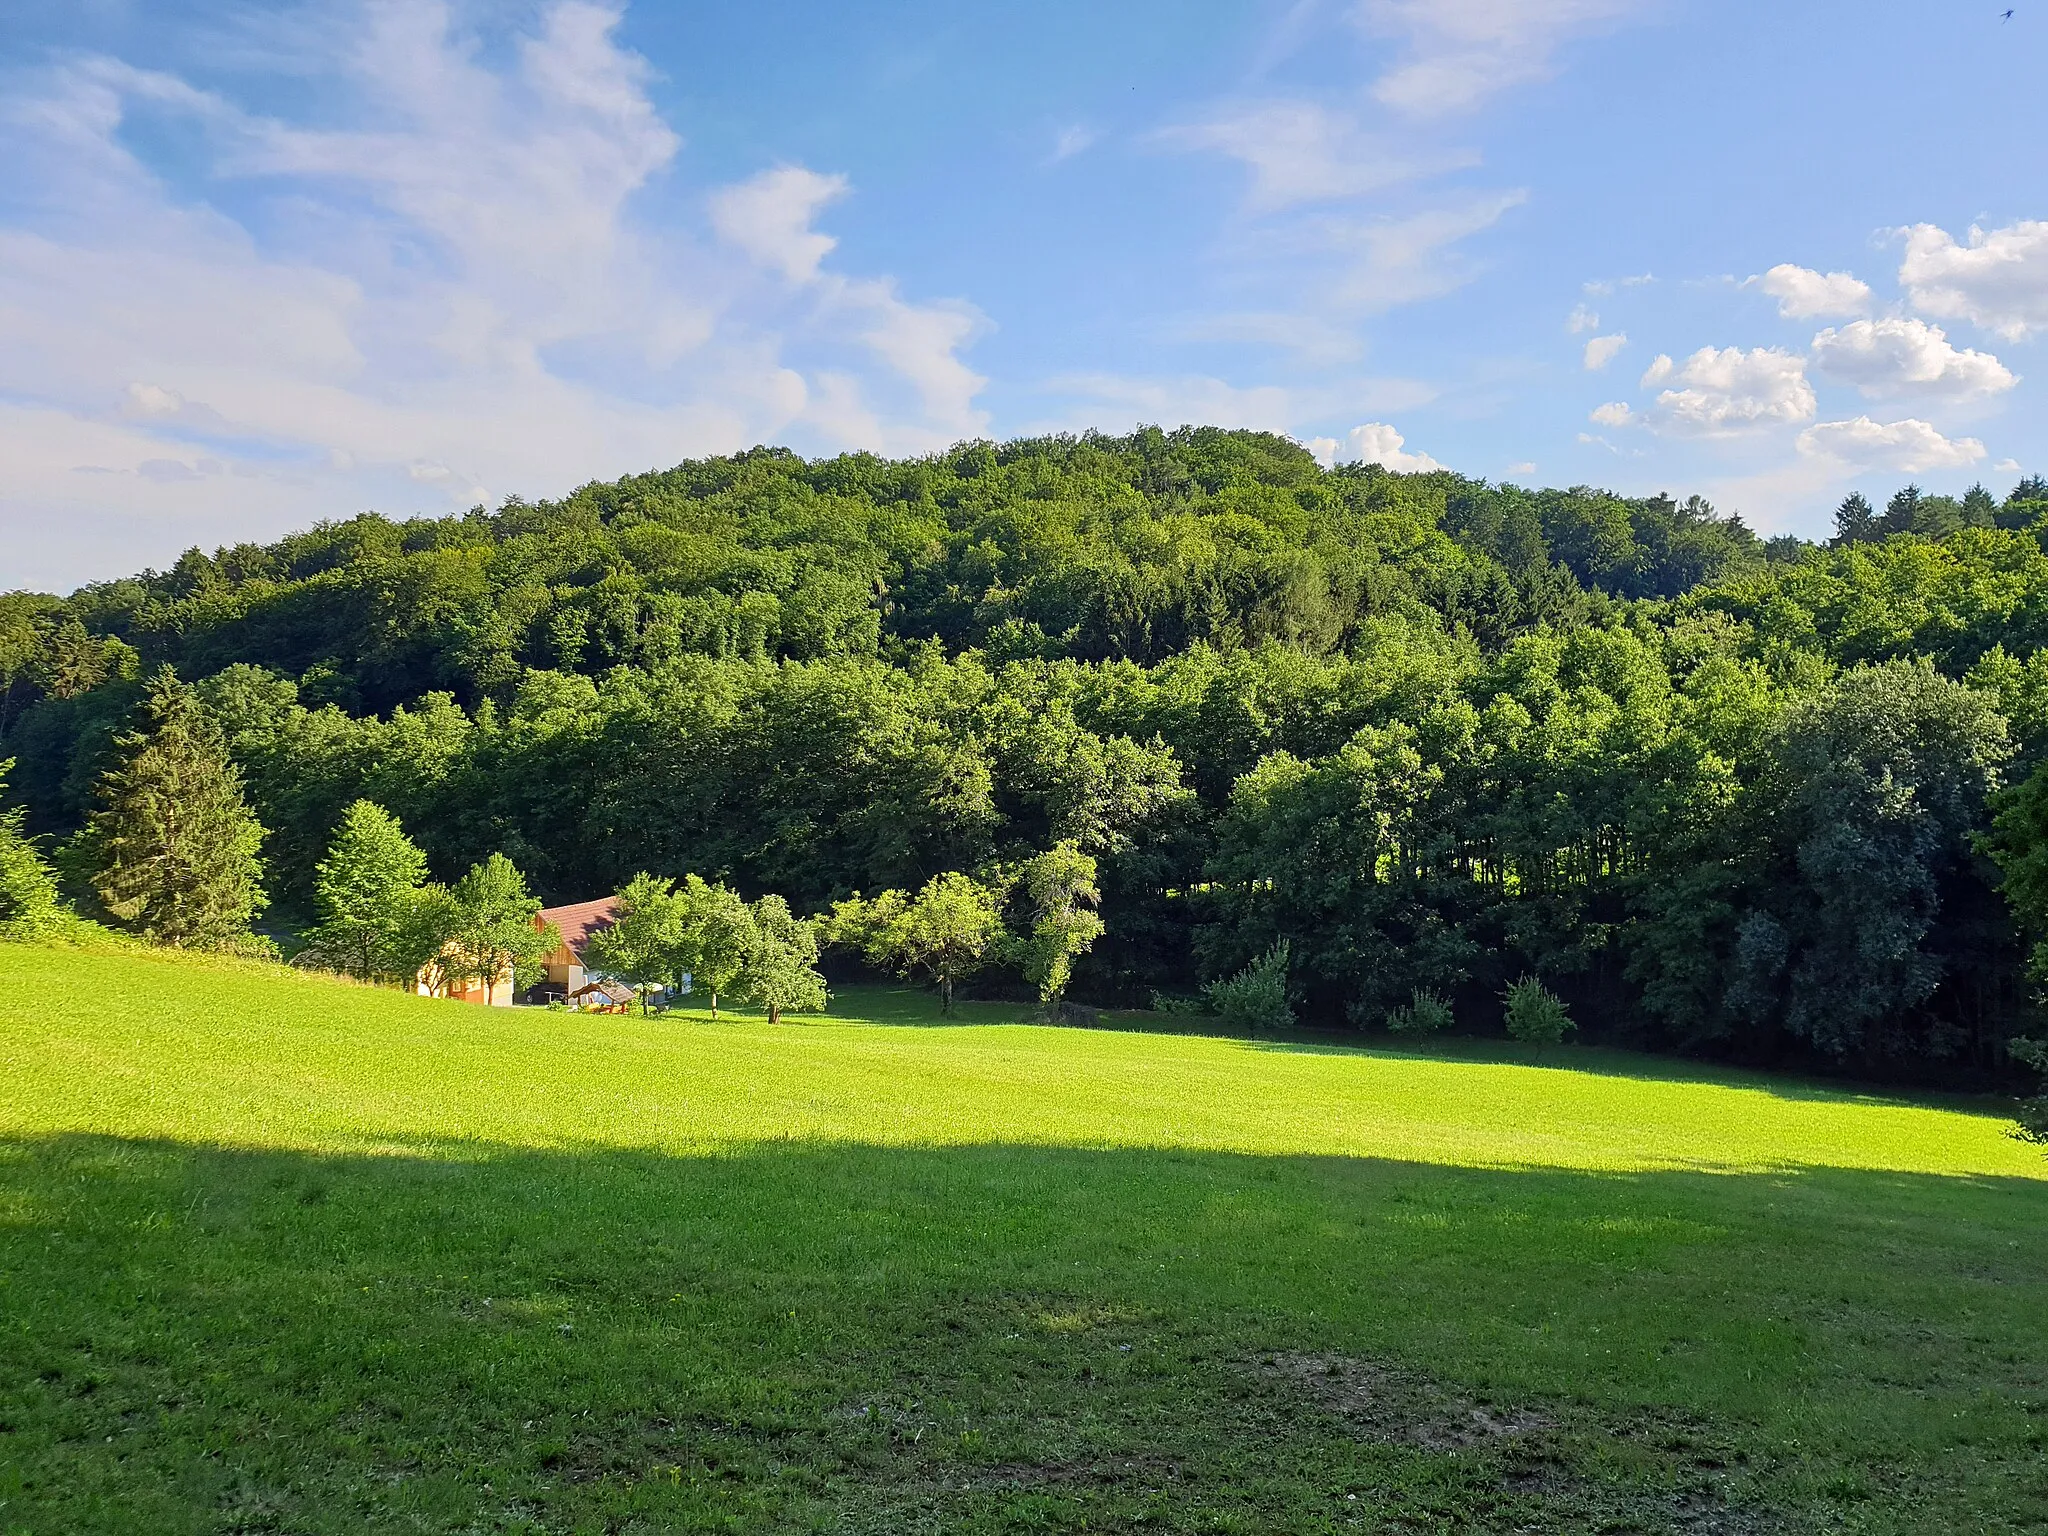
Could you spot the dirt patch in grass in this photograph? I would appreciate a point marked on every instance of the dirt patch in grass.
(1399, 1406)
(1563, 1468)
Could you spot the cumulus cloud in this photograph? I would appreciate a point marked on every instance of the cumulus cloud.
(1721, 391)
(1601, 350)
(1582, 319)
(1373, 443)
(1615, 413)
(1460, 53)
(1909, 447)
(1999, 281)
(1112, 400)
(1895, 356)
(1804, 294)
(770, 218)
(443, 290)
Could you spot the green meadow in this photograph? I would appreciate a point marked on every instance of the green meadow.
(281, 1254)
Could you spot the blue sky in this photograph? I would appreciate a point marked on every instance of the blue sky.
(261, 265)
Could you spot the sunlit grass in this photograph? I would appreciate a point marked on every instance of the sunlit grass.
(135, 1046)
(282, 1255)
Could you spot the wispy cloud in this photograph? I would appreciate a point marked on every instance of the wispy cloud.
(1305, 152)
(1459, 54)
(444, 291)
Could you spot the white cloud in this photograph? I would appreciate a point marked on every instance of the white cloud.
(1615, 413)
(147, 400)
(1377, 443)
(770, 218)
(442, 293)
(1721, 391)
(1301, 152)
(1999, 281)
(1804, 294)
(1581, 320)
(1113, 400)
(1895, 356)
(1523, 467)
(1658, 371)
(1311, 338)
(1401, 260)
(1909, 447)
(1074, 139)
(1602, 350)
(1461, 52)
(1601, 287)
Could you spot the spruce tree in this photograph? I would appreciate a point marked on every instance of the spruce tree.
(29, 904)
(1855, 519)
(364, 890)
(174, 844)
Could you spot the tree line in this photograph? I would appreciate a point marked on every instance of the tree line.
(1425, 739)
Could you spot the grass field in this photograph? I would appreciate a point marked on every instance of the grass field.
(285, 1255)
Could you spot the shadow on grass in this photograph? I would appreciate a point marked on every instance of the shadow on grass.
(995, 1338)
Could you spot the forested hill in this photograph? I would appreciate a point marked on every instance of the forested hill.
(1097, 549)
(1436, 733)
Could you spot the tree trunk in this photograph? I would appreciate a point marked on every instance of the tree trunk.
(774, 1014)
(945, 995)
(714, 1002)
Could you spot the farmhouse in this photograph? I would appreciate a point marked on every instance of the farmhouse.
(562, 971)
(433, 981)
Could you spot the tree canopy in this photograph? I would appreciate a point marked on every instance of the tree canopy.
(1713, 792)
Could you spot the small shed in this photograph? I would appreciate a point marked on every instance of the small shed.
(603, 997)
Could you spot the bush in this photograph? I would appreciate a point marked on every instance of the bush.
(2033, 1115)
(1178, 1003)
(1255, 999)
(1535, 1014)
(1426, 1014)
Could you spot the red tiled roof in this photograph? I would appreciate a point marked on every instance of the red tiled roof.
(580, 921)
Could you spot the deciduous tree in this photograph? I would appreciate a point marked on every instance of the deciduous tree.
(363, 891)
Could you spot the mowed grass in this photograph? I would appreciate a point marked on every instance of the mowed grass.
(280, 1254)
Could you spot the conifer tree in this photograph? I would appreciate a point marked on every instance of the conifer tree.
(29, 904)
(364, 891)
(174, 845)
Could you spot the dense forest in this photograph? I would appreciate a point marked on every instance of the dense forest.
(1723, 795)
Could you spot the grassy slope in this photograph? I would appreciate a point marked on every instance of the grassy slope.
(285, 1255)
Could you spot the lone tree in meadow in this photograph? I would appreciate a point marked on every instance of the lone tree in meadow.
(645, 944)
(781, 966)
(718, 932)
(947, 932)
(174, 843)
(364, 891)
(1061, 886)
